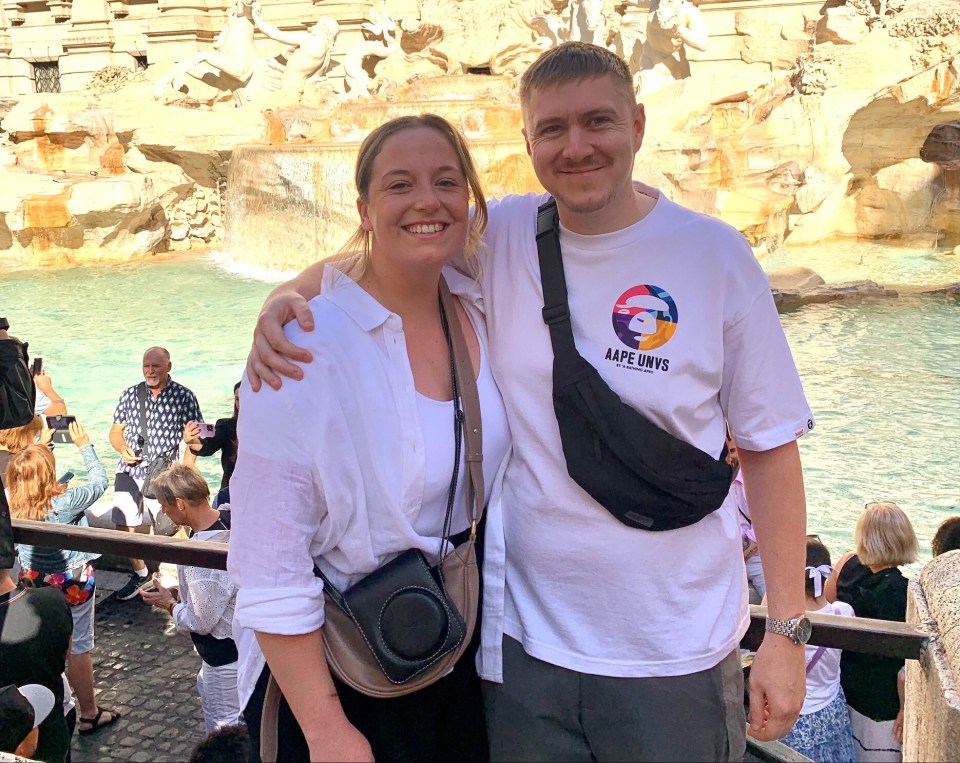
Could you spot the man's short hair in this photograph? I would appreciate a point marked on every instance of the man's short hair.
(164, 350)
(181, 481)
(571, 61)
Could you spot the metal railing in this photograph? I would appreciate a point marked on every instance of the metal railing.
(879, 637)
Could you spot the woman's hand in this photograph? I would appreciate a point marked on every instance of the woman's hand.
(272, 352)
(78, 434)
(191, 433)
(342, 742)
(46, 435)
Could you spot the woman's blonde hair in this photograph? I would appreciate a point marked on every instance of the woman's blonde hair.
(32, 482)
(181, 481)
(355, 253)
(18, 438)
(885, 537)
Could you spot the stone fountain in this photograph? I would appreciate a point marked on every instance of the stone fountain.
(796, 123)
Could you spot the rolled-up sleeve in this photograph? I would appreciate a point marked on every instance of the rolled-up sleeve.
(279, 516)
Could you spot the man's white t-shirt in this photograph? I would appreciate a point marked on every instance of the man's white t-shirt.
(677, 316)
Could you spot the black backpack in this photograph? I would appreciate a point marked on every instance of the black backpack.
(645, 477)
(17, 398)
(18, 394)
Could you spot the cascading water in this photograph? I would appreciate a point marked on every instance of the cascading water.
(291, 204)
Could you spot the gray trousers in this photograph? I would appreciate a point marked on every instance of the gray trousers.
(547, 713)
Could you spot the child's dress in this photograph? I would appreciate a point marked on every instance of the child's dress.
(822, 732)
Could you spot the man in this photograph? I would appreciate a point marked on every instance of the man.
(604, 642)
(169, 406)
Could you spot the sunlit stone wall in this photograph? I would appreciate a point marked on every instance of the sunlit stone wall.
(83, 36)
(932, 714)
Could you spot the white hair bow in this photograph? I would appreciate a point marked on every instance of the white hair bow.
(818, 575)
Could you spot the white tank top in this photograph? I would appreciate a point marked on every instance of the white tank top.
(436, 422)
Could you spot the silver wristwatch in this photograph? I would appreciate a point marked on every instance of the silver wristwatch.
(798, 629)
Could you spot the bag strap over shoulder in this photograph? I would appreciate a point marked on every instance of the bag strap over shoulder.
(142, 397)
(556, 310)
(470, 399)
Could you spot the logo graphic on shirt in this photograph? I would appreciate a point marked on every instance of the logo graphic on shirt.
(645, 317)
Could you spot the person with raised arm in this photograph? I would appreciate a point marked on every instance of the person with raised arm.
(590, 651)
(36, 494)
(341, 476)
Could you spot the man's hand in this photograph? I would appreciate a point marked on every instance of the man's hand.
(129, 456)
(778, 684)
(78, 434)
(120, 444)
(159, 597)
(272, 352)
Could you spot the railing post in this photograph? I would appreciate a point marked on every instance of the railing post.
(932, 710)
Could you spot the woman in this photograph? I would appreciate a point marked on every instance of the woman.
(224, 439)
(202, 606)
(12, 441)
(35, 494)
(870, 581)
(353, 467)
(822, 732)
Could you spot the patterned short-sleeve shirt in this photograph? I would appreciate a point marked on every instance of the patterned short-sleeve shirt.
(167, 415)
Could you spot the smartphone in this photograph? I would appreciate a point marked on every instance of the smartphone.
(59, 426)
(207, 430)
(66, 478)
(37, 366)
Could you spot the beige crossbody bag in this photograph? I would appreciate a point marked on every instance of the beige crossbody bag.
(355, 647)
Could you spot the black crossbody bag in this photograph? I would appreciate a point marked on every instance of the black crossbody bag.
(645, 477)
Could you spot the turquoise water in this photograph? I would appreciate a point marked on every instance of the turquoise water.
(883, 377)
(888, 264)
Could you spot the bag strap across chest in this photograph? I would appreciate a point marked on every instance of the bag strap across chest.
(643, 475)
(466, 379)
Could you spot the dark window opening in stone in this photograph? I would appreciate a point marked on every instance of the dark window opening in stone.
(479, 70)
(46, 76)
(139, 63)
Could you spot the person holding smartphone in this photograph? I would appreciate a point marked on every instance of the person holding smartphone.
(49, 401)
(36, 494)
(206, 439)
(12, 441)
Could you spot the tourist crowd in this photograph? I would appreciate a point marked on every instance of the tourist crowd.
(616, 550)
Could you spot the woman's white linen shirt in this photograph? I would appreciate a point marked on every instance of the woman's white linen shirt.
(333, 466)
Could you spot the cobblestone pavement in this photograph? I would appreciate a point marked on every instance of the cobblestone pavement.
(148, 670)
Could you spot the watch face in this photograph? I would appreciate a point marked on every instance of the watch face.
(803, 630)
